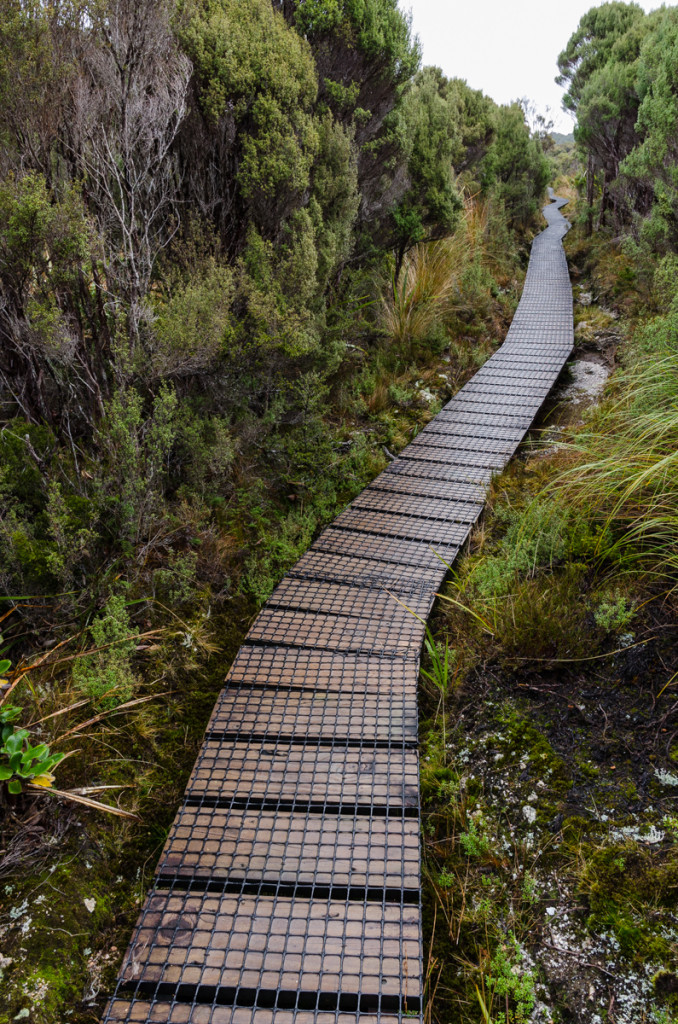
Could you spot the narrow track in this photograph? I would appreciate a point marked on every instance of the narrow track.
(288, 891)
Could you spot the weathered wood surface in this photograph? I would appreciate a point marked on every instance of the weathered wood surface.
(288, 891)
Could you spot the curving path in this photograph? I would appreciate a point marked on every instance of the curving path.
(288, 890)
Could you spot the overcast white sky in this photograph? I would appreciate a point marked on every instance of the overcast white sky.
(507, 48)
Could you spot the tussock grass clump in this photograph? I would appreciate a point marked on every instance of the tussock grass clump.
(427, 285)
(430, 287)
(535, 539)
(625, 471)
(525, 582)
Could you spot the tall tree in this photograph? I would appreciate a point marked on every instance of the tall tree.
(432, 134)
(591, 46)
(652, 168)
(515, 165)
(597, 67)
(251, 139)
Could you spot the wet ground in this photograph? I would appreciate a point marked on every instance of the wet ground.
(574, 776)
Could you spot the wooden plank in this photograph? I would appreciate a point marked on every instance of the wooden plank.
(285, 848)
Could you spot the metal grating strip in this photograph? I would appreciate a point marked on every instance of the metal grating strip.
(285, 848)
(399, 636)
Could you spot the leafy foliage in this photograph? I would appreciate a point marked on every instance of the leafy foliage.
(254, 71)
(21, 761)
(619, 67)
(106, 676)
(593, 45)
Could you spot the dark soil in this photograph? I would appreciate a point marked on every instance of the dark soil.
(592, 752)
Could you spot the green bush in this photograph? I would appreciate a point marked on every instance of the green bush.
(138, 446)
(175, 582)
(536, 538)
(510, 982)
(614, 612)
(194, 325)
(475, 842)
(106, 675)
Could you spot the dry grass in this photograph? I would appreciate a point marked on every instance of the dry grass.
(429, 287)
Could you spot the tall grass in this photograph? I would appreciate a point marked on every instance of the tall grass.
(625, 472)
(429, 287)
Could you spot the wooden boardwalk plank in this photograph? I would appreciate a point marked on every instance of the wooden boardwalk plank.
(433, 531)
(475, 432)
(417, 505)
(295, 946)
(344, 599)
(327, 671)
(283, 848)
(458, 474)
(240, 773)
(399, 483)
(460, 450)
(368, 573)
(399, 636)
(140, 1011)
(389, 548)
(342, 715)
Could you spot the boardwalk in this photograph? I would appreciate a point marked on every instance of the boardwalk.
(288, 891)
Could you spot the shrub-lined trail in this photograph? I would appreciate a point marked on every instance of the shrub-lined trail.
(289, 886)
